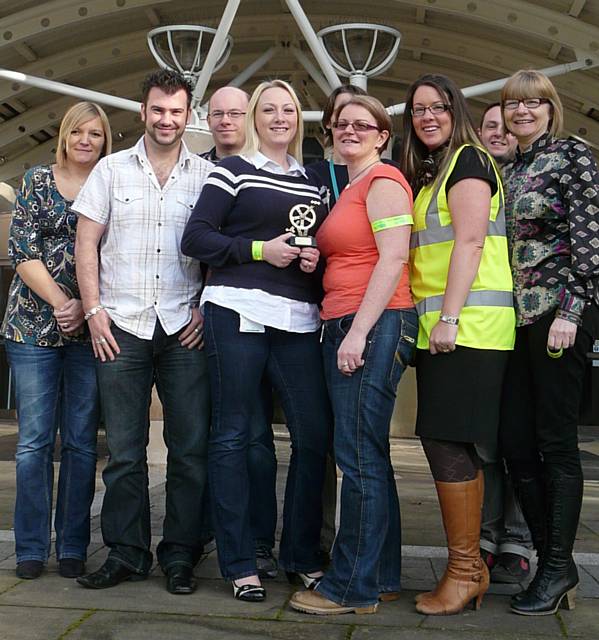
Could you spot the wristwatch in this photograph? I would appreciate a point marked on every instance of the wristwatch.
(454, 320)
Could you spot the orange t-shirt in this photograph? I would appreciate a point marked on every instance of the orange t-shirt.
(347, 242)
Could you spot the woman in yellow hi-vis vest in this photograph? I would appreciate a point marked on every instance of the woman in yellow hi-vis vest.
(462, 288)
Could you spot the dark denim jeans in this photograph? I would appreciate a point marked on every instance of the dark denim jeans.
(367, 551)
(262, 470)
(125, 388)
(292, 362)
(55, 388)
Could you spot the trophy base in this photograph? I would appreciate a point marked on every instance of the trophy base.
(302, 241)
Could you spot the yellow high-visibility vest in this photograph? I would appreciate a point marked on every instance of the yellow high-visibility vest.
(487, 320)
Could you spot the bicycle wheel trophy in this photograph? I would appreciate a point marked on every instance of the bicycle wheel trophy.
(302, 218)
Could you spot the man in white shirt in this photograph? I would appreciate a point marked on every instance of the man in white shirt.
(140, 295)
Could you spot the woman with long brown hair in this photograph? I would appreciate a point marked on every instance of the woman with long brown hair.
(462, 288)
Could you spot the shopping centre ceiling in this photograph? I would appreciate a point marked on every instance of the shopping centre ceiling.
(101, 45)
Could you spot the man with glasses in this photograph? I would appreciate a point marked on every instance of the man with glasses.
(226, 121)
(505, 541)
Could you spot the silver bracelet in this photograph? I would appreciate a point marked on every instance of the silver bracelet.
(454, 320)
(93, 311)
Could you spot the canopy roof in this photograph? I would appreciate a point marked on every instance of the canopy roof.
(101, 45)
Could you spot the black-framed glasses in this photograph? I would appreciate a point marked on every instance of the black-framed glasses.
(436, 109)
(360, 126)
(529, 103)
(233, 114)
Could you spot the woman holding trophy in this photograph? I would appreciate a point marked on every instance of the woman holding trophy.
(369, 339)
(251, 226)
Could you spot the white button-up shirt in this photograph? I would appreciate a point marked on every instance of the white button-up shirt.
(143, 274)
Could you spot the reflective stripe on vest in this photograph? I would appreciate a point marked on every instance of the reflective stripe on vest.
(487, 319)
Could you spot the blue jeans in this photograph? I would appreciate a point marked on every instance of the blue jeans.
(262, 470)
(55, 388)
(292, 362)
(125, 387)
(366, 556)
(503, 528)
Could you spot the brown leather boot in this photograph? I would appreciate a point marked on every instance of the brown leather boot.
(466, 578)
(480, 478)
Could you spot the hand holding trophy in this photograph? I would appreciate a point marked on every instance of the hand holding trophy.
(302, 218)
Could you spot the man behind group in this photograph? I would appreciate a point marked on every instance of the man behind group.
(140, 300)
(226, 121)
(505, 541)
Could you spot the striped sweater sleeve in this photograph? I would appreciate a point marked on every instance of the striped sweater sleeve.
(202, 238)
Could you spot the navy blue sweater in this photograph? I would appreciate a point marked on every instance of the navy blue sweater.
(240, 204)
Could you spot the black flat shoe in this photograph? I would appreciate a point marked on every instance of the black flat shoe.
(180, 580)
(249, 592)
(108, 575)
(309, 581)
(71, 567)
(29, 569)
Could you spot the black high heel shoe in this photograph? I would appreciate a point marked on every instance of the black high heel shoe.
(248, 592)
(298, 578)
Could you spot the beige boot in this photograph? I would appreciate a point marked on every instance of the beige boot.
(466, 578)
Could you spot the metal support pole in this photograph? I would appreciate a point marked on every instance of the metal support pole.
(69, 90)
(253, 67)
(216, 48)
(313, 42)
(309, 66)
(359, 80)
(496, 85)
(249, 71)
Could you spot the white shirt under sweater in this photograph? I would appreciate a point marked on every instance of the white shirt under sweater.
(143, 275)
(259, 307)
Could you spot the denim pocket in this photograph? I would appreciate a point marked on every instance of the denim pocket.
(405, 351)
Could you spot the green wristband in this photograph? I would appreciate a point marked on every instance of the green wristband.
(257, 246)
(393, 221)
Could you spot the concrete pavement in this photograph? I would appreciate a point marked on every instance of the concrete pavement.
(53, 608)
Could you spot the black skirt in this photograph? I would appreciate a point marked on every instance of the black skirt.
(459, 394)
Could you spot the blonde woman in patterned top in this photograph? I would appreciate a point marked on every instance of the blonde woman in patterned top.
(49, 352)
(552, 212)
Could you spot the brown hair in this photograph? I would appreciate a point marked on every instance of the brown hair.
(414, 151)
(535, 84)
(376, 110)
(329, 107)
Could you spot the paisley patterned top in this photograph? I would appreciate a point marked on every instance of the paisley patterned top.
(552, 215)
(43, 228)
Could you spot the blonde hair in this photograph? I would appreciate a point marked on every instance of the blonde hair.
(75, 116)
(252, 140)
(528, 83)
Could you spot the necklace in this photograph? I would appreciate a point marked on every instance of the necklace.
(349, 184)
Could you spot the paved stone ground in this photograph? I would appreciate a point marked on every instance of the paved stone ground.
(53, 608)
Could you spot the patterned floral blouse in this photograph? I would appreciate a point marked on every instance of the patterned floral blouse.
(552, 214)
(43, 228)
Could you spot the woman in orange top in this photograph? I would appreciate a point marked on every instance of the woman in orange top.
(369, 339)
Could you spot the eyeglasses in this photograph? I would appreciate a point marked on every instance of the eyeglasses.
(233, 114)
(529, 103)
(359, 126)
(436, 109)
